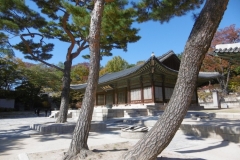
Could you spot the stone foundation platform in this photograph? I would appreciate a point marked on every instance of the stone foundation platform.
(64, 128)
(225, 132)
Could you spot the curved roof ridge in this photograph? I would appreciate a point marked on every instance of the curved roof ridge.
(165, 55)
(159, 62)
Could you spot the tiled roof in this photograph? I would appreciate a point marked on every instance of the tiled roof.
(78, 86)
(113, 76)
(165, 56)
(209, 75)
(228, 50)
(231, 54)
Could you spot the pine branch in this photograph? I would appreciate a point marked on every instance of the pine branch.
(80, 48)
(69, 33)
(31, 52)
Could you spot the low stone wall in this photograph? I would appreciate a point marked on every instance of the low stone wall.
(229, 133)
(71, 114)
(227, 115)
(102, 114)
(75, 113)
(226, 104)
(133, 135)
(64, 128)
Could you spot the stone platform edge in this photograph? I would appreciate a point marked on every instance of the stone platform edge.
(64, 128)
(225, 132)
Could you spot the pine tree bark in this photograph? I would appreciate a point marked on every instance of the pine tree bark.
(158, 138)
(80, 135)
(62, 117)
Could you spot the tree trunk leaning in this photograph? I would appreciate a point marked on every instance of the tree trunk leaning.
(62, 118)
(158, 138)
(80, 135)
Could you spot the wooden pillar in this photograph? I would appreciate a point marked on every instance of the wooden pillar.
(128, 92)
(116, 95)
(153, 87)
(126, 95)
(104, 102)
(113, 96)
(142, 94)
(163, 88)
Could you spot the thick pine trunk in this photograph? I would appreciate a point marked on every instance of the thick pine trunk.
(62, 118)
(81, 131)
(158, 138)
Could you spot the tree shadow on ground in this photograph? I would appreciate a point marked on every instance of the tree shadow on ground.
(108, 150)
(222, 144)
(15, 139)
(10, 143)
(169, 158)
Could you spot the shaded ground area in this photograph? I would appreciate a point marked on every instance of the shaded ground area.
(17, 138)
(108, 152)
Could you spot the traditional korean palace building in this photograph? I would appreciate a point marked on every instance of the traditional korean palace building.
(148, 84)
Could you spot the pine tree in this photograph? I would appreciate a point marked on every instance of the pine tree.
(74, 31)
(158, 138)
(79, 141)
(80, 135)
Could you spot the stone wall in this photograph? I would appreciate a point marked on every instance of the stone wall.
(226, 104)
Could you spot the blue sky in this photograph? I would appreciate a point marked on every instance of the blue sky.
(156, 37)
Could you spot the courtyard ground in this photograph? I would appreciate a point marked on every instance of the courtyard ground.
(17, 141)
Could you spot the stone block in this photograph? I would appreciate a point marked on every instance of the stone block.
(54, 128)
(98, 114)
(110, 115)
(69, 115)
(99, 118)
(231, 138)
(143, 113)
(104, 110)
(127, 111)
(211, 129)
(224, 115)
(133, 135)
(98, 127)
(120, 114)
(230, 133)
(149, 123)
(233, 130)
